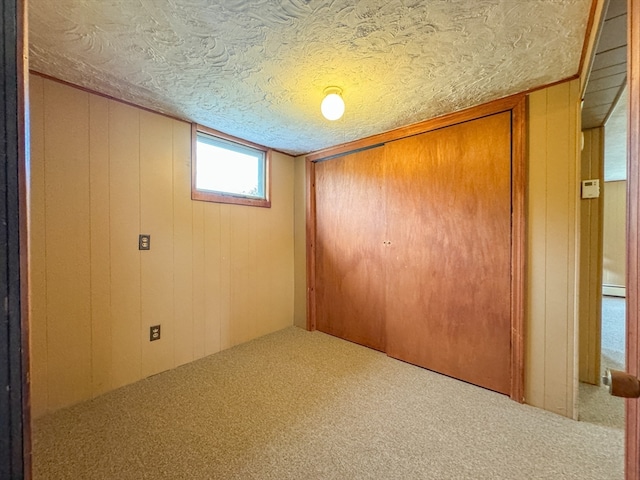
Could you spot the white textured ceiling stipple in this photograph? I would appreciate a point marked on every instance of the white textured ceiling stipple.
(257, 69)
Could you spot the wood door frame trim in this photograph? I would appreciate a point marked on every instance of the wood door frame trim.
(518, 246)
(632, 424)
(517, 106)
(473, 113)
(311, 242)
(15, 421)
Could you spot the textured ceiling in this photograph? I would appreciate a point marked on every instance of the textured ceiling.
(257, 69)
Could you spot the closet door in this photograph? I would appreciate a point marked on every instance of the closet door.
(350, 225)
(449, 223)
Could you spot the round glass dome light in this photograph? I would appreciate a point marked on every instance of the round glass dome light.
(332, 106)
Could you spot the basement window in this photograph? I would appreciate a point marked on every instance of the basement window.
(228, 170)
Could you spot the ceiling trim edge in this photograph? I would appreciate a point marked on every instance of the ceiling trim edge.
(591, 39)
(494, 106)
(150, 110)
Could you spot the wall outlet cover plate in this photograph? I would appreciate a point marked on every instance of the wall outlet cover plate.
(154, 333)
(144, 241)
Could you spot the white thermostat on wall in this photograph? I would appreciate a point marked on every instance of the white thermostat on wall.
(590, 188)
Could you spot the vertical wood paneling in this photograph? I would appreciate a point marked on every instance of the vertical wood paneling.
(102, 173)
(535, 350)
(224, 280)
(557, 248)
(573, 233)
(260, 244)
(212, 278)
(551, 371)
(276, 255)
(198, 295)
(124, 188)
(67, 244)
(100, 244)
(589, 137)
(182, 246)
(239, 276)
(38, 264)
(156, 218)
(615, 210)
(225, 265)
(300, 239)
(591, 261)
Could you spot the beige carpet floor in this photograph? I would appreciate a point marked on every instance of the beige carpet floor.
(595, 403)
(305, 405)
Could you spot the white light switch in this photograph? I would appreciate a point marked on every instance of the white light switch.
(591, 188)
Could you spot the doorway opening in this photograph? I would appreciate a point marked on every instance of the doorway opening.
(595, 403)
(602, 322)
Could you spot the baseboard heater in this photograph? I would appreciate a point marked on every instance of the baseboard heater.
(614, 290)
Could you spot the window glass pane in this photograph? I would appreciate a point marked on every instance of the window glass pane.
(230, 168)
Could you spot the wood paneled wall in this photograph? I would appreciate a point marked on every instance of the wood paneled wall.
(551, 371)
(300, 211)
(591, 210)
(217, 275)
(615, 213)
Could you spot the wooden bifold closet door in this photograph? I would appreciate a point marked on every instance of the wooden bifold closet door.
(350, 262)
(448, 278)
(413, 249)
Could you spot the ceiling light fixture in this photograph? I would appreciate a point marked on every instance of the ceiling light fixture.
(332, 106)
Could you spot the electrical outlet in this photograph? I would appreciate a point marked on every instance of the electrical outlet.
(144, 241)
(154, 333)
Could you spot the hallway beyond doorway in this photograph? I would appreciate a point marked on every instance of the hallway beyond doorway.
(596, 405)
